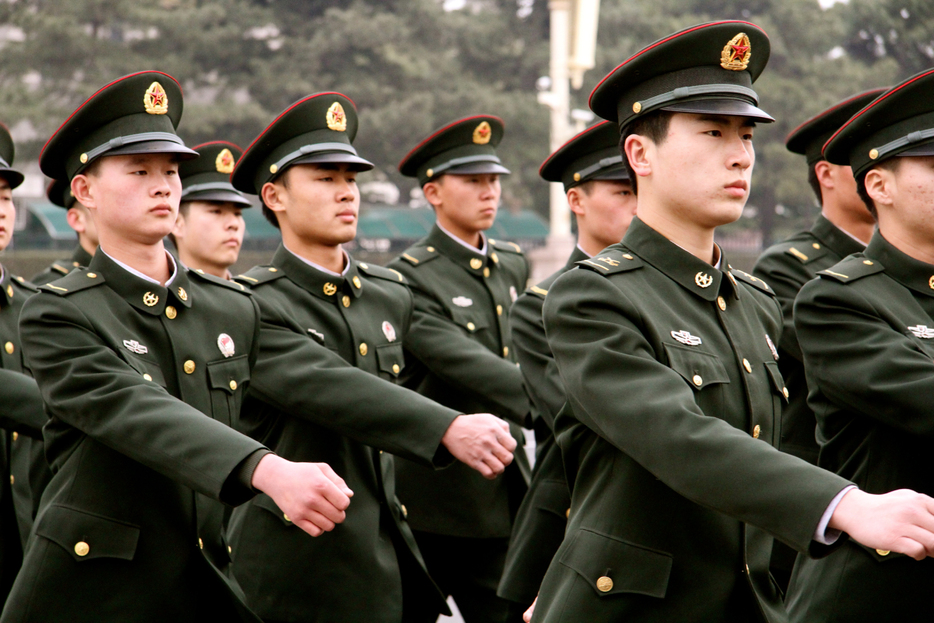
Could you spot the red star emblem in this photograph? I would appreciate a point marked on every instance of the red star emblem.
(157, 98)
(483, 131)
(739, 51)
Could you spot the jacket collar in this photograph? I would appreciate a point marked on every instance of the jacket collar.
(472, 261)
(319, 283)
(80, 257)
(145, 296)
(6, 287)
(835, 238)
(577, 255)
(911, 273)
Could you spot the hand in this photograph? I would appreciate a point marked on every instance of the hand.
(900, 521)
(311, 495)
(527, 615)
(481, 441)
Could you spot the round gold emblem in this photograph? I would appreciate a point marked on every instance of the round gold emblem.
(9, 291)
(577, 177)
(170, 312)
(233, 385)
(189, 367)
(931, 283)
(637, 107)
(486, 272)
(363, 349)
(9, 348)
(345, 301)
(330, 289)
(482, 133)
(698, 380)
(83, 158)
(224, 163)
(756, 431)
(273, 168)
(873, 154)
(604, 584)
(430, 173)
(395, 368)
(155, 101)
(476, 263)
(703, 280)
(150, 299)
(337, 118)
(82, 548)
(883, 552)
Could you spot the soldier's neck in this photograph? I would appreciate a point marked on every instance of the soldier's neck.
(218, 270)
(327, 256)
(858, 226)
(467, 236)
(694, 238)
(87, 245)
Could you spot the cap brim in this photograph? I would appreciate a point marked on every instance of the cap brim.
(335, 157)
(13, 177)
(154, 147)
(730, 107)
(475, 168)
(620, 174)
(221, 196)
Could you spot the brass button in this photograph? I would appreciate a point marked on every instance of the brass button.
(883, 552)
(567, 513)
(756, 431)
(873, 154)
(747, 365)
(475, 263)
(182, 294)
(577, 177)
(330, 288)
(75, 264)
(229, 550)
(345, 301)
(405, 512)
(471, 326)
(505, 351)
(356, 282)
(189, 366)
(627, 256)
(9, 291)
(82, 548)
(83, 158)
(9, 348)
(272, 269)
(499, 310)
(273, 168)
(430, 249)
(721, 303)
(15, 435)
(495, 258)
(286, 517)
(698, 380)
(170, 312)
(233, 385)
(815, 245)
(364, 265)
(12, 479)
(785, 392)
(604, 584)
(486, 272)
(147, 377)
(363, 349)
(396, 368)
(200, 543)
(92, 275)
(430, 173)
(636, 107)
(867, 262)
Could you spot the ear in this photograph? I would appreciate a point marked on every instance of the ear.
(575, 201)
(880, 186)
(432, 192)
(82, 189)
(77, 219)
(824, 172)
(638, 150)
(273, 196)
(179, 229)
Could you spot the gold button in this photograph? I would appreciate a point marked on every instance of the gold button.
(471, 326)
(499, 310)
(883, 552)
(364, 265)
(396, 368)
(698, 380)
(273, 168)
(356, 282)
(233, 385)
(637, 108)
(147, 377)
(82, 548)
(189, 366)
(475, 263)
(747, 365)
(9, 348)
(627, 256)
(12, 479)
(429, 249)
(286, 517)
(721, 303)
(15, 435)
(495, 258)
(330, 288)
(873, 154)
(430, 172)
(9, 291)
(785, 392)
(170, 312)
(200, 543)
(577, 177)
(405, 512)
(486, 272)
(345, 301)
(92, 275)
(505, 351)
(75, 264)
(363, 349)
(83, 158)
(182, 294)
(756, 431)
(867, 262)
(815, 245)
(604, 584)
(229, 550)
(567, 513)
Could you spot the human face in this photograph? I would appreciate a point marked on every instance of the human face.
(319, 206)
(209, 235)
(465, 204)
(905, 201)
(604, 214)
(7, 214)
(132, 198)
(700, 174)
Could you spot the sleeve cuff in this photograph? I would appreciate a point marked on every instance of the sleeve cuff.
(823, 534)
(239, 486)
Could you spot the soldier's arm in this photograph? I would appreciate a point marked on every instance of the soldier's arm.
(21, 404)
(538, 366)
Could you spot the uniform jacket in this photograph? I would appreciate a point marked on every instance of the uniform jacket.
(674, 406)
(460, 354)
(866, 329)
(362, 317)
(60, 268)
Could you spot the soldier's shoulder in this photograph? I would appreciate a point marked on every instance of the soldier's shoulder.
(23, 284)
(200, 277)
(613, 260)
(381, 272)
(851, 268)
(259, 275)
(417, 255)
(77, 280)
(752, 280)
(802, 248)
(506, 246)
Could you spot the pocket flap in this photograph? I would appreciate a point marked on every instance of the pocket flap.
(699, 369)
(391, 358)
(86, 536)
(229, 374)
(149, 370)
(778, 383)
(552, 496)
(612, 566)
(471, 320)
(265, 502)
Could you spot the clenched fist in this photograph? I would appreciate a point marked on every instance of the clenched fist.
(481, 441)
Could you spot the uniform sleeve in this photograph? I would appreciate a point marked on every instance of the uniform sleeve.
(537, 364)
(860, 362)
(620, 390)
(86, 385)
(297, 375)
(21, 404)
(786, 276)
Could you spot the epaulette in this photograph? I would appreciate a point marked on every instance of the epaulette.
(259, 274)
(751, 280)
(382, 272)
(852, 268)
(233, 285)
(611, 261)
(505, 245)
(806, 254)
(419, 255)
(537, 291)
(59, 268)
(26, 285)
(75, 281)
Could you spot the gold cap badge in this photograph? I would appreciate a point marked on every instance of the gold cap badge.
(224, 162)
(736, 54)
(156, 101)
(482, 133)
(337, 118)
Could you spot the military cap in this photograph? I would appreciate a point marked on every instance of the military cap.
(900, 122)
(808, 138)
(7, 151)
(136, 114)
(207, 178)
(705, 69)
(317, 129)
(591, 155)
(59, 193)
(465, 147)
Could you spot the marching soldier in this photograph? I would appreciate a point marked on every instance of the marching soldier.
(304, 168)
(79, 219)
(864, 330)
(843, 227)
(209, 231)
(668, 359)
(459, 353)
(600, 196)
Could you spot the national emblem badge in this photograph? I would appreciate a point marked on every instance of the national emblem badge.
(737, 53)
(482, 133)
(337, 118)
(389, 331)
(156, 101)
(224, 163)
(225, 344)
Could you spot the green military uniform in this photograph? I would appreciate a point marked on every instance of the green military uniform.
(363, 316)
(864, 332)
(59, 193)
(459, 353)
(674, 394)
(540, 524)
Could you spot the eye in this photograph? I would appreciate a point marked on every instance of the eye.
(327, 178)
(714, 133)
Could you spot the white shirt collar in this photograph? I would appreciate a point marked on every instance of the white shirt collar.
(133, 271)
(481, 250)
(322, 268)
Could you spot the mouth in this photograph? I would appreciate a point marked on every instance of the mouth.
(737, 189)
(347, 216)
(233, 242)
(163, 209)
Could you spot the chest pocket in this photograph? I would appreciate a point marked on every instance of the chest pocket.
(149, 370)
(228, 379)
(699, 369)
(391, 359)
(471, 321)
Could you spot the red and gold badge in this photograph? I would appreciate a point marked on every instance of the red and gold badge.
(482, 134)
(156, 101)
(736, 54)
(337, 118)
(224, 162)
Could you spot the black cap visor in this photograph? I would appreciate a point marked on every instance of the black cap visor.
(219, 196)
(153, 147)
(925, 149)
(613, 175)
(475, 168)
(728, 107)
(13, 177)
(335, 157)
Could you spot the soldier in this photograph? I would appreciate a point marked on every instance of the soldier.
(79, 219)
(843, 227)
(600, 196)
(459, 353)
(674, 394)
(304, 168)
(864, 332)
(209, 231)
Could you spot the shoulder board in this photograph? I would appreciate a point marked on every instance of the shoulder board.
(198, 275)
(805, 253)
(62, 268)
(852, 268)
(419, 255)
(258, 275)
(505, 245)
(26, 285)
(611, 262)
(752, 280)
(381, 272)
(75, 281)
(537, 291)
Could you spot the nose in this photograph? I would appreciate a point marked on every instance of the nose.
(742, 155)
(347, 192)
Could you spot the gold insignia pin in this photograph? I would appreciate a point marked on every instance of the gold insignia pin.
(931, 283)
(482, 133)
(9, 291)
(476, 263)
(224, 163)
(337, 118)
(156, 101)
(703, 280)
(736, 54)
(330, 289)
(182, 294)
(150, 299)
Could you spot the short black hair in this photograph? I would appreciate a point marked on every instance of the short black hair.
(653, 126)
(892, 165)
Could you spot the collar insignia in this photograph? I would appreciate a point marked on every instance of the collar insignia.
(135, 347)
(156, 101)
(703, 280)
(737, 53)
(224, 163)
(337, 118)
(922, 331)
(685, 337)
